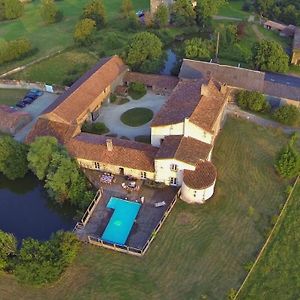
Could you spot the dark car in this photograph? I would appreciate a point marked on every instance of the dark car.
(31, 95)
(36, 92)
(28, 100)
(21, 104)
(140, 13)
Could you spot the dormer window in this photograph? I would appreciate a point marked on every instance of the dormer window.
(174, 167)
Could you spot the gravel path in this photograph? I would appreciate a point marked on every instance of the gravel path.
(110, 115)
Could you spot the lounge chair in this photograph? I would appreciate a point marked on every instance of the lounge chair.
(159, 204)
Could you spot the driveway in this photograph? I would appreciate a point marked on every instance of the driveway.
(110, 115)
(35, 110)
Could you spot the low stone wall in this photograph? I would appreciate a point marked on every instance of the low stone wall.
(20, 84)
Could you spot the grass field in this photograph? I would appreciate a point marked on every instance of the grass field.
(276, 276)
(52, 38)
(201, 251)
(233, 9)
(11, 96)
(55, 69)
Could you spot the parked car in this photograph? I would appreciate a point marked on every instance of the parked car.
(140, 13)
(21, 104)
(36, 92)
(28, 100)
(31, 95)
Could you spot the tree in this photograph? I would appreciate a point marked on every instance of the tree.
(126, 8)
(11, 9)
(14, 50)
(270, 56)
(183, 13)
(263, 6)
(49, 11)
(133, 20)
(40, 155)
(95, 10)
(13, 158)
(228, 35)
(287, 114)
(251, 100)
(205, 9)
(145, 47)
(288, 162)
(84, 31)
(161, 16)
(8, 247)
(43, 262)
(197, 48)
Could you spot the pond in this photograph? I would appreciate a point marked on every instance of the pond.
(170, 62)
(26, 210)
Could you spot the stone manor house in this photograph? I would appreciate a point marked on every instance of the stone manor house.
(183, 132)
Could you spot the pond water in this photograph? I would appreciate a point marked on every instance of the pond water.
(170, 62)
(26, 210)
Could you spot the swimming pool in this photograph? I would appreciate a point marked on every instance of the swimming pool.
(121, 222)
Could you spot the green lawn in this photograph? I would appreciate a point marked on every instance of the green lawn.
(137, 116)
(233, 9)
(56, 69)
(51, 38)
(201, 251)
(11, 96)
(276, 275)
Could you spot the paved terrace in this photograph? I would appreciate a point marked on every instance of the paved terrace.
(148, 218)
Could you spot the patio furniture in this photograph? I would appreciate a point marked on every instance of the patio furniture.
(160, 204)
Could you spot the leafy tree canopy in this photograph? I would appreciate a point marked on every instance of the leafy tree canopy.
(13, 158)
(126, 8)
(144, 48)
(49, 11)
(95, 10)
(84, 31)
(287, 114)
(205, 9)
(253, 101)
(11, 9)
(270, 56)
(197, 48)
(161, 16)
(8, 247)
(183, 12)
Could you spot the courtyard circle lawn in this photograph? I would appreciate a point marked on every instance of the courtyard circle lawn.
(137, 116)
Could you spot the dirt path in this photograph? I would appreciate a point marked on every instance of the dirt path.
(258, 34)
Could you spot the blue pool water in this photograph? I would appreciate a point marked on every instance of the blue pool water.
(121, 222)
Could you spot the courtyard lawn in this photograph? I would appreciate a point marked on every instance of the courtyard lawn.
(276, 275)
(201, 251)
(49, 39)
(137, 116)
(58, 68)
(11, 96)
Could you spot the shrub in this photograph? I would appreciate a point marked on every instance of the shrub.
(137, 90)
(8, 248)
(253, 101)
(287, 114)
(197, 48)
(14, 50)
(11, 9)
(96, 128)
(288, 162)
(49, 12)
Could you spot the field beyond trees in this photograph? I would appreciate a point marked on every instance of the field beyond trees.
(201, 251)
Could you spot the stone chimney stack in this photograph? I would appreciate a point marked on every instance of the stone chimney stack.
(109, 145)
(224, 88)
(204, 90)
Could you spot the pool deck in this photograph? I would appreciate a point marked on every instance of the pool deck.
(148, 217)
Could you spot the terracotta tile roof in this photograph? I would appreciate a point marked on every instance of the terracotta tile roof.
(128, 154)
(296, 43)
(275, 25)
(209, 108)
(180, 104)
(71, 104)
(158, 81)
(44, 127)
(233, 76)
(185, 149)
(203, 177)
(12, 119)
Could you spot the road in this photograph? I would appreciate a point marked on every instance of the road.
(283, 79)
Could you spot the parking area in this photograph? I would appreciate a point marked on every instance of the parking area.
(35, 109)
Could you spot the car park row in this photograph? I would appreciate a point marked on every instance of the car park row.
(29, 98)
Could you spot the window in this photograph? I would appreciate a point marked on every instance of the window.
(195, 194)
(173, 180)
(97, 165)
(174, 167)
(143, 175)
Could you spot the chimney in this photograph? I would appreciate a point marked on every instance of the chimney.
(224, 88)
(109, 145)
(204, 90)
